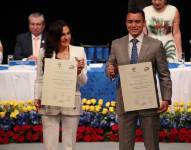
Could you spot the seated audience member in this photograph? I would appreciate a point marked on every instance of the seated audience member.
(28, 44)
(1, 52)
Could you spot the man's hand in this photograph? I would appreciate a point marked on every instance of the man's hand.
(163, 106)
(80, 65)
(111, 71)
(37, 103)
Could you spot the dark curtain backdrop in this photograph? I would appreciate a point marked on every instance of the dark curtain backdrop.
(92, 22)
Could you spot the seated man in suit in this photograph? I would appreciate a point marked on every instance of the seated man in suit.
(28, 44)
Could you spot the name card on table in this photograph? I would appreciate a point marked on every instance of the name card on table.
(138, 88)
(3, 67)
(19, 64)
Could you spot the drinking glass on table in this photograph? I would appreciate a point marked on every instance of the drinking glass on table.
(10, 58)
(182, 60)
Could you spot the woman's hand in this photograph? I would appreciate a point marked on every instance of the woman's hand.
(80, 65)
(31, 57)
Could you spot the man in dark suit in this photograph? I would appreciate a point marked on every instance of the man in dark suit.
(147, 50)
(28, 44)
(138, 4)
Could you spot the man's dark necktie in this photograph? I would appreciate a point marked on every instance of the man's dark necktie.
(134, 54)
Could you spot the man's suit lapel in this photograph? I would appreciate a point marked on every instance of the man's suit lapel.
(144, 49)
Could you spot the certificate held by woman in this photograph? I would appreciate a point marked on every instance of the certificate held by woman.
(59, 83)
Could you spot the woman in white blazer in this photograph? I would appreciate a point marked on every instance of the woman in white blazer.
(58, 47)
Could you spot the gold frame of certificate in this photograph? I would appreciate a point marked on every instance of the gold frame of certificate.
(138, 87)
(59, 83)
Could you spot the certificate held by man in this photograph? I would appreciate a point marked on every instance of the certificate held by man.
(59, 83)
(138, 88)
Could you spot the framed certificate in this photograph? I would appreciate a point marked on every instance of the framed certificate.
(59, 83)
(138, 87)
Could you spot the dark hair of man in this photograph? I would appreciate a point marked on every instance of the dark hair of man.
(137, 11)
(53, 37)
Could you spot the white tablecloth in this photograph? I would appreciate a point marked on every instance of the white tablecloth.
(17, 84)
(181, 84)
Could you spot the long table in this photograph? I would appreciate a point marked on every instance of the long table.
(181, 84)
(19, 84)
